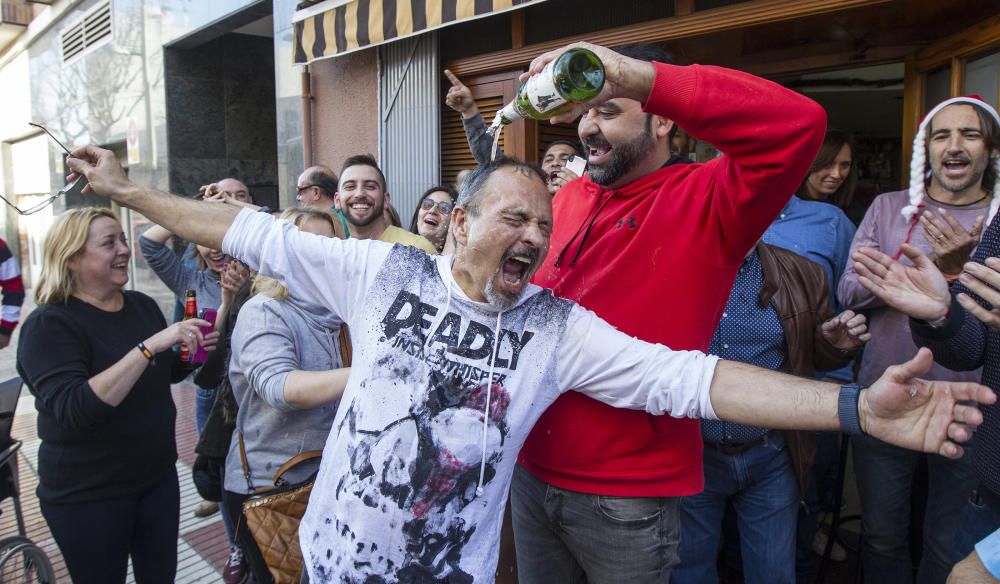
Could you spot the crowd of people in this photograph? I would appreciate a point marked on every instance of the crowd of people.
(685, 353)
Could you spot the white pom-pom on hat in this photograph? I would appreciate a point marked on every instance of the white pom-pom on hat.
(918, 163)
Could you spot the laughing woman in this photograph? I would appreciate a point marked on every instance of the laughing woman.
(98, 360)
(432, 216)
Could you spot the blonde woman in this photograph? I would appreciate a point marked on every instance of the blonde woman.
(98, 360)
(286, 376)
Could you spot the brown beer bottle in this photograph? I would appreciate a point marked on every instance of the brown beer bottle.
(190, 311)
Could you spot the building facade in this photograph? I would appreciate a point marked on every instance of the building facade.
(185, 92)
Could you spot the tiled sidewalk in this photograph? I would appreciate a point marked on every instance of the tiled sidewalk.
(201, 548)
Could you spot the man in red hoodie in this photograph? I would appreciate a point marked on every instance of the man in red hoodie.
(652, 245)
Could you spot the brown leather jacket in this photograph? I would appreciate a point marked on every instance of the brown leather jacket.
(799, 291)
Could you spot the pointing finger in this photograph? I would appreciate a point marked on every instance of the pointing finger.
(455, 82)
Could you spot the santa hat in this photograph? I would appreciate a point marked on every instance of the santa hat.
(918, 163)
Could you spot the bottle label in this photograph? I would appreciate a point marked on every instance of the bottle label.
(507, 115)
(541, 90)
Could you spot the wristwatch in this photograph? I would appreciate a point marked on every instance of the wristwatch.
(847, 410)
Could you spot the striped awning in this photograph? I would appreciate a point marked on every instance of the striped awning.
(330, 28)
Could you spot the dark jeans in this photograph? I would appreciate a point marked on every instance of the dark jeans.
(761, 484)
(204, 398)
(566, 536)
(980, 517)
(97, 538)
(232, 503)
(819, 497)
(885, 478)
(227, 518)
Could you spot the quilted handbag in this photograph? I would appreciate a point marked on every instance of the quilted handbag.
(273, 514)
(273, 517)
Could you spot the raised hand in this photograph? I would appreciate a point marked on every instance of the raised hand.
(919, 291)
(623, 77)
(459, 98)
(103, 171)
(211, 192)
(232, 279)
(560, 178)
(922, 415)
(984, 280)
(847, 331)
(952, 244)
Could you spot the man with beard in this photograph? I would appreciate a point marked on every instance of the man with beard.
(362, 198)
(456, 357)
(650, 242)
(958, 141)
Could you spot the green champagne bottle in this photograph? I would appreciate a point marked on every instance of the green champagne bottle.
(576, 76)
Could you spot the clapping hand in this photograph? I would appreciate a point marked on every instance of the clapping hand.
(919, 291)
(231, 279)
(951, 243)
(984, 280)
(847, 331)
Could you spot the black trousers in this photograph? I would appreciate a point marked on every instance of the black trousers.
(97, 538)
(232, 503)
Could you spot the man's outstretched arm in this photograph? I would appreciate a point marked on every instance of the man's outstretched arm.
(899, 408)
(196, 221)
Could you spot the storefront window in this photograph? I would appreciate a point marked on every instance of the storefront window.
(938, 88)
(982, 77)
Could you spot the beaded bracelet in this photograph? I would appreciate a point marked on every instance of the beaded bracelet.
(145, 351)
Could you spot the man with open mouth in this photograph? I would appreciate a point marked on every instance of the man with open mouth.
(456, 357)
(942, 215)
(651, 242)
(362, 197)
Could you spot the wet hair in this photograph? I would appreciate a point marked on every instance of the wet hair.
(324, 178)
(471, 192)
(834, 141)
(452, 194)
(364, 160)
(574, 145)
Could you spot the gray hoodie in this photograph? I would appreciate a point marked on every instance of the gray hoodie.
(273, 338)
(180, 278)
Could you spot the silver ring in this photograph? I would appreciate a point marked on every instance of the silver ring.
(913, 391)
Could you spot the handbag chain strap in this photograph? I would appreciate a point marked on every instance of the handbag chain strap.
(243, 461)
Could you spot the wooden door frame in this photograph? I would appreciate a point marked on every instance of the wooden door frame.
(954, 52)
(684, 25)
(515, 138)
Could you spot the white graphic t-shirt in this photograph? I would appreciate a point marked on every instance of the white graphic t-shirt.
(442, 394)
